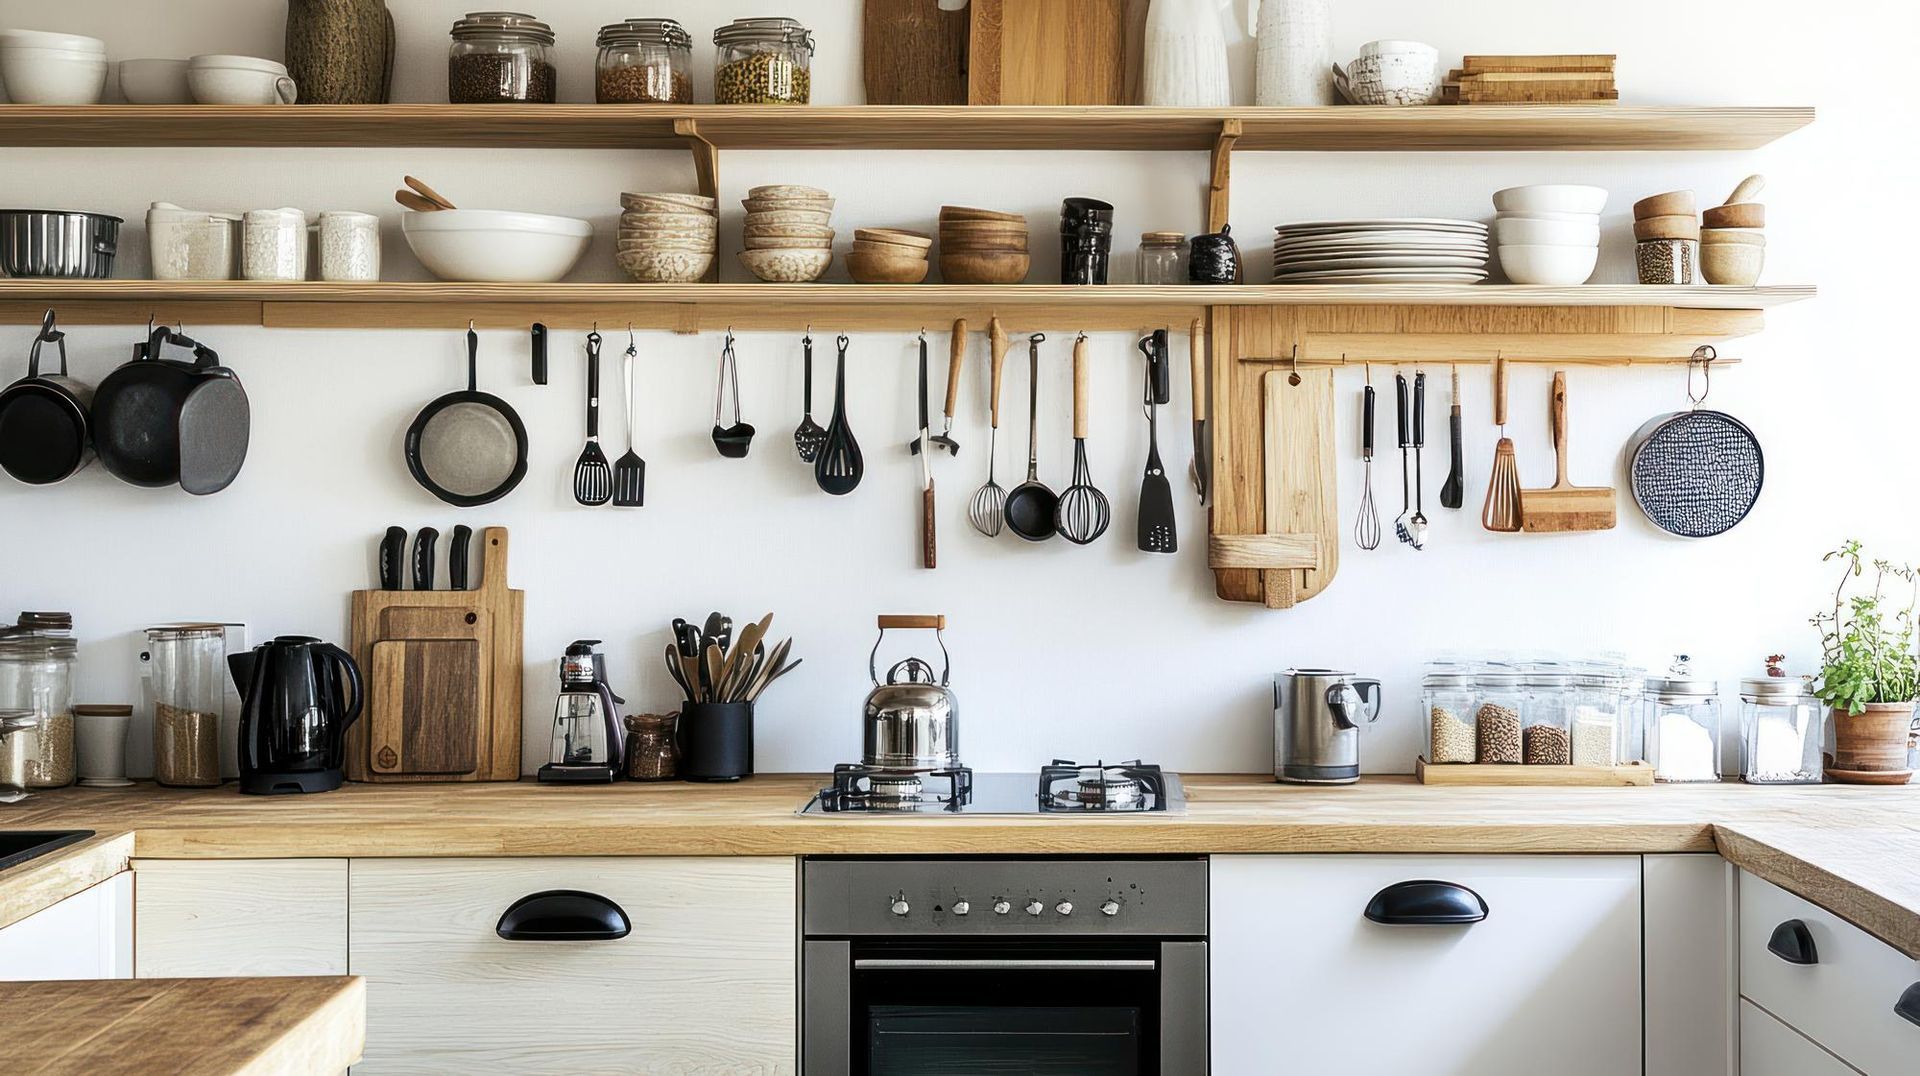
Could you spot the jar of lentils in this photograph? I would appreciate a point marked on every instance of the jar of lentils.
(644, 62)
(766, 61)
(501, 57)
(1546, 715)
(1502, 696)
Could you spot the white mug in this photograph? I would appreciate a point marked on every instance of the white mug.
(100, 743)
(239, 80)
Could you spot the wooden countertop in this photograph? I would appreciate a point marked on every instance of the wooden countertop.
(1853, 850)
(191, 1026)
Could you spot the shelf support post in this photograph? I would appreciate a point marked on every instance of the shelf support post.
(706, 172)
(1220, 175)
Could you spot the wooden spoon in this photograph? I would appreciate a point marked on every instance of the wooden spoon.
(428, 193)
(415, 202)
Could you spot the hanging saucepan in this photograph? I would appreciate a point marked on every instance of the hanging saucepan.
(161, 422)
(45, 432)
(468, 448)
(1696, 473)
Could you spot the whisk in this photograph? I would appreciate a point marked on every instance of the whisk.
(1366, 528)
(1083, 512)
(1502, 511)
(988, 509)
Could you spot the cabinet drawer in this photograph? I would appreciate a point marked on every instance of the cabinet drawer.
(703, 984)
(197, 918)
(1845, 1000)
(1771, 1048)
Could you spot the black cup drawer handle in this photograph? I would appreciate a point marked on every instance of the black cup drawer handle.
(564, 915)
(1908, 1007)
(1793, 943)
(1426, 903)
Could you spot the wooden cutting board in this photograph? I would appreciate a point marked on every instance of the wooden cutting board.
(425, 700)
(1055, 52)
(914, 53)
(1301, 497)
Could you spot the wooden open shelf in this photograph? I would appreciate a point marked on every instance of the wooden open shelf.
(1460, 127)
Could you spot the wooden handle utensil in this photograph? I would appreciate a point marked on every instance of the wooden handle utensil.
(997, 347)
(957, 354)
(934, 621)
(428, 193)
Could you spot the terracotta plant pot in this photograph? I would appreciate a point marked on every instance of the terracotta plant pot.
(1871, 747)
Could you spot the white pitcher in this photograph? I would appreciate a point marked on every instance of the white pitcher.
(1293, 58)
(1185, 62)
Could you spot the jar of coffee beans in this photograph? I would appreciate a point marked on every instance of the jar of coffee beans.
(500, 57)
(644, 62)
(764, 61)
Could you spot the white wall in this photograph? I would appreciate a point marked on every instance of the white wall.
(1058, 650)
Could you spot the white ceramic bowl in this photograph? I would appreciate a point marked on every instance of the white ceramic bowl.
(1551, 198)
(155, 82)
(239, 80)
(1533, 263)
(1576, 218)
(45, 39)
(787, 265)
(495, 245)
(1557, 233)
(41, 76)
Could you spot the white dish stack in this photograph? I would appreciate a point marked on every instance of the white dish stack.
(41, 68)
(1548, 233)
(1395, 250)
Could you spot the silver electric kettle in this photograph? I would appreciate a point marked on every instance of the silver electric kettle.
(1317, 716)
(911, 721)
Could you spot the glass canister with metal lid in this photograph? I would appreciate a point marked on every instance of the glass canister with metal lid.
(1683, 726)
(1781, 724)
(763, 61)
(501, 57)
(36, 676)
(644, 62)
(1601, 717)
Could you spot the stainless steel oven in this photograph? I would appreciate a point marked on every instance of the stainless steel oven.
(1039, 965)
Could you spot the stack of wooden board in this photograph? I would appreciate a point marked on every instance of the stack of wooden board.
(1532, 80)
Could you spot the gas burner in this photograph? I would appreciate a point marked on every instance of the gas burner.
(865, 788)
(1128, 786)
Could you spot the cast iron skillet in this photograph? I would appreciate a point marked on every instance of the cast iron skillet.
(468, 448)
(162, 422)
(45, 433)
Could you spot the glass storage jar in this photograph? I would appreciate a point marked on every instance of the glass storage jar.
(500, 56)
(1600, 717)
(1502, 696)
(1447, 694)
(17, 749)
(1683, 727)
(644, 62)
(1163, 258)
(765, 61)
(1546, 718)
(1782, 724)
(189, 669)
(652, 754)
(36, 676)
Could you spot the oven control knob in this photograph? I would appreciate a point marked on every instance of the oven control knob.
(1001, 907)
(961, 907)
(1065, 907)
(900, 907)
(1111, 907)
(1034, 907)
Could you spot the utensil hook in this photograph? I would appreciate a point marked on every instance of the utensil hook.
(48, 334)
(1702, 359)
(728, 362)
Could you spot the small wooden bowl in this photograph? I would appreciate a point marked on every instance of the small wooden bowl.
(867, 267)
(1735, 215)
(1668, 226)
(961, 212)
(788, 190)
(984, 267)
(1745, 237)
(1732, 264)
(896, 236)
(870, 246)
(1664, 205)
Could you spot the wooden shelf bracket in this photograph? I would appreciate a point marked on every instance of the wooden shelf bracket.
(706, 171)
(1220, 175)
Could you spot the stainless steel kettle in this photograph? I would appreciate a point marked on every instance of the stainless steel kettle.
(1317, 716)
(911, 721)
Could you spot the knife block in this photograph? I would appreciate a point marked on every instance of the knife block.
(442, 670)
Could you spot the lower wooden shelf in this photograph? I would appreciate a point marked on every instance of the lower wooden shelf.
(1496, 774)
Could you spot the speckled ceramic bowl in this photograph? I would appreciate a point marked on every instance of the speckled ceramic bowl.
(787, 265)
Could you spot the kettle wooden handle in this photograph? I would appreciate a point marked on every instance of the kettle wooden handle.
(936, 621)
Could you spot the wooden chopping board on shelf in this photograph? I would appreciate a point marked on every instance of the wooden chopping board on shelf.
(443, 676)
(914, 53)
(1055, 52)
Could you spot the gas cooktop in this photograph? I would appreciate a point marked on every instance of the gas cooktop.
(1058, 788)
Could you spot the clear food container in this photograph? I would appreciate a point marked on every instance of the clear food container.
(1782, 724)
(501, 57)
(765, 61)
(1502, 696)
(17, 748)
(189, 671)
(1546, 717)
(349, 246)
(36, 677)
(1163, 259)
(644, 62)
(1683, 730)
(1602, 714)
(1448, 696)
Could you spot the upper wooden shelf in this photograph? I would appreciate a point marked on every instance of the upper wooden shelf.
(1458, 127)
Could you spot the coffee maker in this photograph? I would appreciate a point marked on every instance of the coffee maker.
(1317, 716)
(294, 719)
(587, 735)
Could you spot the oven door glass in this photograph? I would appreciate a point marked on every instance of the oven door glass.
(1034, 1010)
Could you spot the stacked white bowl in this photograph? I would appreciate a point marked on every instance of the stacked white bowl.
(1548, 233)
(788, 233)
(667, 238)
(41, 68)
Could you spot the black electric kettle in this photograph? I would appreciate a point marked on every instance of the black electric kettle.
(294, 721)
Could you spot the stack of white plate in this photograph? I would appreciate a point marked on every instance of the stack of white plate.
(1548, 233)
(1405, 250)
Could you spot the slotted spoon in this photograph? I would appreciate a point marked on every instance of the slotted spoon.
(808, 438)
(592, 477)
(838, 467)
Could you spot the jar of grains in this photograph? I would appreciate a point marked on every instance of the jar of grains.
(501, 56)
(188, 665)
(1546, 717)
(1781, 725)
(1600, 718)
(36, 676)
(652, 754)
(644, 62)
(1683, 730)
(765, 61)
(1447, 693)
(349, 246)
(1502, 695)
(1163, 259)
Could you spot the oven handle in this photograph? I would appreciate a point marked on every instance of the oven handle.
(897, 964)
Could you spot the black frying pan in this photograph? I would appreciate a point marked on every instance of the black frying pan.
(45, 432)
(468, 448)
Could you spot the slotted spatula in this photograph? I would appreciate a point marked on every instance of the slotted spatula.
(1156, 532)
(630, 471)
(592, 477)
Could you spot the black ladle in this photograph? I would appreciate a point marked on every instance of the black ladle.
(732, 441)
(1031, 506)
(838, 467)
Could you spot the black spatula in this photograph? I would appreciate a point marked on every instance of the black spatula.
(1156, 528)
(592, 478)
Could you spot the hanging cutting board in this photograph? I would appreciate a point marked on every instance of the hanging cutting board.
(1300, 470)
(1055, 52)
(914, 53)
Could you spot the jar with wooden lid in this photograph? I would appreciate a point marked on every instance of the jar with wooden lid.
(1163, 258)
(501, 57)
(187, 663)
(644, 62)
(36, 676)
(765, 61)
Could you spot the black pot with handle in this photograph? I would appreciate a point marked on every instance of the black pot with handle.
(46, 430)
(162, 422)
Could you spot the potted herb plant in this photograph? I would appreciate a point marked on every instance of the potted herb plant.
(1869, 670)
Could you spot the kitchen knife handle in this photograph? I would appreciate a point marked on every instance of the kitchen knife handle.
(1419, 408)
(423, 558)
(956, 356)
(928, 544)
(1400, 409)
(458, 556)
(997, 348)
(393, 552)
(1162, 369)
(1197, 362)
(539, 354)
(1366, 423)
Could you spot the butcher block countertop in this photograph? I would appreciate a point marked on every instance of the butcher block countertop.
(1855, 851)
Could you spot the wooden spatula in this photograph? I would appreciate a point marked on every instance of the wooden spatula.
(1565, 506)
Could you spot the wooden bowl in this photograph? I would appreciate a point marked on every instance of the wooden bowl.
(867, 267)
(1746, 237)
(784, 242)
(1668, 226)
(983, 248)
(960, 212)
(896, 236)
(1735, 215)
(893, 249)
(788, 190)
(1664, 205)
(984, 267)
(1019, 226)
(1732, 264)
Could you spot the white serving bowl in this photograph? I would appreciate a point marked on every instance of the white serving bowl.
(43, 76)
(239, 80)
(46, 39)
(1551, 198)
(496, 245)
(1558, 233)
(1534, 263)
(155, 81)
(1576, 218)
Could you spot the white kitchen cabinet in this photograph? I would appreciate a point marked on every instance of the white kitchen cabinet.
(86, 936)
(703, 984)
(1771, 1048)
(1690, 978)
(1303, 982)
(198, 918)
